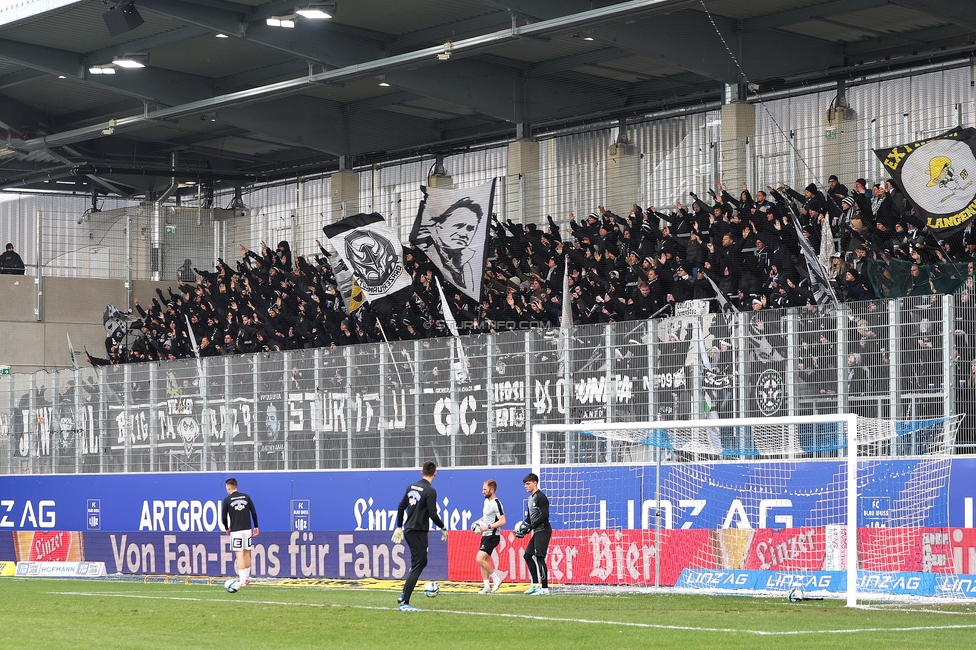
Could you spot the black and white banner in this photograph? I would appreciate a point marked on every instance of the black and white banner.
(937, 176)
(819, 284)
(452, 229)
(372, 252)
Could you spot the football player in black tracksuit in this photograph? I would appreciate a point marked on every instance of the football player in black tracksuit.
(537, 521)
(238, 512)
(420, 504)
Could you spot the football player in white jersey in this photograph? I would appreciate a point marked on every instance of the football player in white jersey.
(492, 519)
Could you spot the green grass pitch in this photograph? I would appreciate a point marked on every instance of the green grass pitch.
(37, 613)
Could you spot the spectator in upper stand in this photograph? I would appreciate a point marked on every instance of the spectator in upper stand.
(862, 197)
(683, 286)
(810, 200)
(744, 204)
(762, 201)
(836, 191)
(695, 253)
(10, 262)
(649, 299)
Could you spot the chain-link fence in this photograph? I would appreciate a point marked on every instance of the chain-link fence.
(377, 405)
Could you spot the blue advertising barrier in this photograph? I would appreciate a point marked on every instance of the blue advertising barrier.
(880, 582)
(724, 495)
(285, 501)
(736, 580)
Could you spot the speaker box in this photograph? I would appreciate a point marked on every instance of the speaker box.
(122, 18)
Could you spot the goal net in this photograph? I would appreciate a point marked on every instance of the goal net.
(835, 506)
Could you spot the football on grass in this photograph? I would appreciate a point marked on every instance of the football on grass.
(232, 585)
(431, 589)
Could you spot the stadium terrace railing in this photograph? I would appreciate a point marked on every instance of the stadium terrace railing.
(377, 405)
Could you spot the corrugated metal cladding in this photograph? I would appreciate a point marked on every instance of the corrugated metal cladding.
(66, 243)
(573, 174)
(678, 155)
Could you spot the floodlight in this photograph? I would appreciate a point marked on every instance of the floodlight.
(317, 11)
(131, 60)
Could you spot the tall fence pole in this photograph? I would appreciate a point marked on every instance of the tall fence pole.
(38, 265)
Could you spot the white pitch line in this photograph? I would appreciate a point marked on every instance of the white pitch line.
(529, 617)
(921, 610)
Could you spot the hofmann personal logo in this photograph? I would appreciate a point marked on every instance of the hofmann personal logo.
(93, 515)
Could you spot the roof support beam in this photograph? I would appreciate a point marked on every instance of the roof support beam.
(427, 56)
(45, 59)
(16, 116)
(19, 77)
(563, 63)
(441, 33)
(144, 44)
(885, 45)
(688, 40)
(339, 49)
(954, 12)
(330, 129)
(795, 16)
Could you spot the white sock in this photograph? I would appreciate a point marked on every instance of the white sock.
(247, 573)
(242, 574)
(487, 582)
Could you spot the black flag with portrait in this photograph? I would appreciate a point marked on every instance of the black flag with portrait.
(938, 176)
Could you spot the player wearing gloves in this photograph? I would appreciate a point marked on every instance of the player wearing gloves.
(492, 518)
(537, 522)
(420, 505)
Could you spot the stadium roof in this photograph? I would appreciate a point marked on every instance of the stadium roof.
(240, 100)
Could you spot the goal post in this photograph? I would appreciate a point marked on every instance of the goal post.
(838, 506)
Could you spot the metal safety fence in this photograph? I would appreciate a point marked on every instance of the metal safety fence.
(377, 405)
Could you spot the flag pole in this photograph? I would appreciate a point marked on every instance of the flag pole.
(202, 389)
(71, 352)
(452, 327)
(390, 350)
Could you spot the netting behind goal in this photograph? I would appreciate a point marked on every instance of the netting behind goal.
(756, 505)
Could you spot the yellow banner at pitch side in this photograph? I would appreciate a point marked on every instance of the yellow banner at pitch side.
(7, 569)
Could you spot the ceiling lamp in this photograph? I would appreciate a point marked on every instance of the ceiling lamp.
(317, 11)
(281, 21)
(314, 11)
(135, 60)
(102, 69)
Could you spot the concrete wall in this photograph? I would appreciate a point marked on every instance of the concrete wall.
(72, 305)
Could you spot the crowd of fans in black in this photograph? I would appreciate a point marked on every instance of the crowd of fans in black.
(739, 252)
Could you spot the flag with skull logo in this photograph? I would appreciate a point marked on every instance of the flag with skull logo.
(371, 250)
